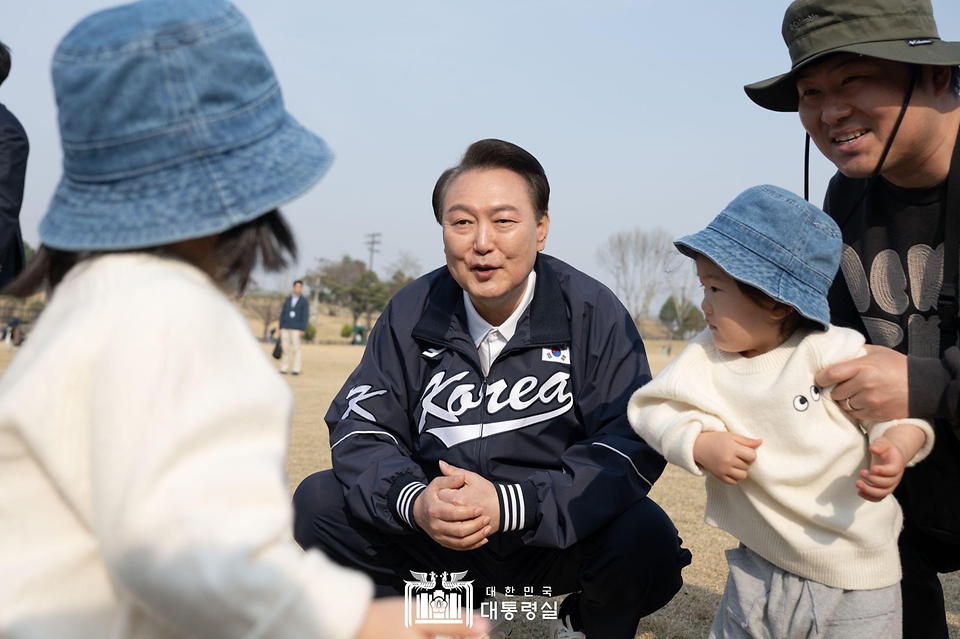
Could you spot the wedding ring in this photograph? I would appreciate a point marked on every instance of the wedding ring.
(849, 407)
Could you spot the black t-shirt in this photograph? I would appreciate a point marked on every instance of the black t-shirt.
(888, 285)
(892, 263)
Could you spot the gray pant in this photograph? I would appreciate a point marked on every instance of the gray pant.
(761, 601)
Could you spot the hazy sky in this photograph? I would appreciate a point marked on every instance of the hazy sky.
(635, 109)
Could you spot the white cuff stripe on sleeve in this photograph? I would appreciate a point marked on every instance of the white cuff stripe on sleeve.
(506, 509)
(513, 512)
(408, 495)
(520, 514)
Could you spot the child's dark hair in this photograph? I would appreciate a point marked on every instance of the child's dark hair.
(265, 241)
(791, 322)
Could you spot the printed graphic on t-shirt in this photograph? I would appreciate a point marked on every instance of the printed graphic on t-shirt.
(913, 293)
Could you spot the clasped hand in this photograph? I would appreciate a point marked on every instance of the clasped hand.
(726, 456)
(459, 509)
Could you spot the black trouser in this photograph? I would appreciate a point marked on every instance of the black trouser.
(922, 558)
(623, 572)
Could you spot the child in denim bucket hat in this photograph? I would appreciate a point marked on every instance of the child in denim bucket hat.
(802, 485)
(142, 428)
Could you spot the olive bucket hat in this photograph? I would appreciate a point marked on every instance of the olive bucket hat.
(173, 128)
(897, 30)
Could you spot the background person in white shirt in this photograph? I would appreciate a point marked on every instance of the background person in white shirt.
(293, 326)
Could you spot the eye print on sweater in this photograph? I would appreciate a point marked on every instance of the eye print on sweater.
(801, 403)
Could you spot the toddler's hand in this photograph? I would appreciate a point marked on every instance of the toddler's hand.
(885, 472)
(726, 456)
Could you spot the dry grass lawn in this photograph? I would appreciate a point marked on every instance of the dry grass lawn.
(682, 495)
(690, 613)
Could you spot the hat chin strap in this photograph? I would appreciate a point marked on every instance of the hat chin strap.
(914, 74)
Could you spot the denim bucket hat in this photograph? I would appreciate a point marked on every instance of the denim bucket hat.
(777, 242)
(173, 128)
(896, 30)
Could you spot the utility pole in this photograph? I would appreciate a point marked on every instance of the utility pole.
(373, 240)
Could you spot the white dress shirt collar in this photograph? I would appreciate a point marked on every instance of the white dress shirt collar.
(490, 339)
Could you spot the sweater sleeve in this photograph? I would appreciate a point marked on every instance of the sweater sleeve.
(664, 417)
(875, 431)
(190, 500)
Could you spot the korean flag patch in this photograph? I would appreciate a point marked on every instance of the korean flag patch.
(557, 355)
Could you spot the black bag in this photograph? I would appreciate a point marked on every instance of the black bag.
(278, 350)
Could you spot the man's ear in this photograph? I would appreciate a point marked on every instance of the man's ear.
(940, 79)
(543, 227)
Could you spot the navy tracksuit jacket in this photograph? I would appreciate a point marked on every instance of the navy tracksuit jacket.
(547, 425)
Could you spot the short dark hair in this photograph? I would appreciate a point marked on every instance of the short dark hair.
(955, 79)
(300, 282)
(788, 324)
(266, 239)
(497, 154)
(4, 62)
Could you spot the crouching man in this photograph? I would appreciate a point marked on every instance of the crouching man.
(485, 429)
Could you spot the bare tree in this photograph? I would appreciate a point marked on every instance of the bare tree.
(332, 281)
(406, 269)
(264, 305)
(367, 296)
(682, 285)
(636, 260)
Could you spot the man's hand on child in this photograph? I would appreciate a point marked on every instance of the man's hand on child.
(871, 387)
(885, 472)
(726, 456)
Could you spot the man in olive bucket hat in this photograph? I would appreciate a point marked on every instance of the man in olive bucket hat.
(877, 91)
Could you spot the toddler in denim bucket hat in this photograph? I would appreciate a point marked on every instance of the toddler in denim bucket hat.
(143, 430)
(796, 478)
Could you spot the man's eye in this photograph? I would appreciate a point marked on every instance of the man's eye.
(714, 289)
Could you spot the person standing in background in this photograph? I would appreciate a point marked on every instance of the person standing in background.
(293, 326)
(13, 171)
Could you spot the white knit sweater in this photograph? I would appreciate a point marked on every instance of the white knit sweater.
(142, 491)
(798, 507)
